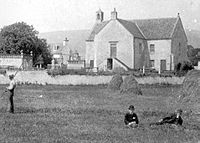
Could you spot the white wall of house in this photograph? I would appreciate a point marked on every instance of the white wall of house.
(15, 61)
(89, 52)
(114, 32)
(162, 52)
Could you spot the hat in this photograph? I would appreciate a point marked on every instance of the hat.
(179, 111)
(131, 107)
(11, 76)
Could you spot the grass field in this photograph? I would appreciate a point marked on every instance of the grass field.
(90, 114)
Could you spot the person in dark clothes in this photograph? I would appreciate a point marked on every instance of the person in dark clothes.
(174, 119)
(11, 89)
(131, 119)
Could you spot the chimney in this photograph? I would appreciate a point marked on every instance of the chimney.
(114, 14)
(99, 16)
(65, 41)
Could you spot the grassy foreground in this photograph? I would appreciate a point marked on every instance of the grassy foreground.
(90, 114)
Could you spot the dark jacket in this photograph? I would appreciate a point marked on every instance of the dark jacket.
(130, 118)
(172, 120)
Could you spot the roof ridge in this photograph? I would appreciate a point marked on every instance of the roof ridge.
(96, 28)
(140, 31)
(177, 19)
(153, 18)
(127, 27)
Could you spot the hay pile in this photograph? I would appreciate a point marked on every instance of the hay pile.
(189, 95)
(191, 86)
(115, 82)
(130, 85)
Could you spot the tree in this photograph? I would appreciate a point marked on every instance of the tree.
(20, 36)
(193, 55)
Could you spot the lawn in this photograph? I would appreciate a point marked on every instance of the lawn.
(91, 114)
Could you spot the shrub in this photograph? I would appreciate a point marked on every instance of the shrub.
(119, 70)
(3, 72)
(65, 71)
(182, 68)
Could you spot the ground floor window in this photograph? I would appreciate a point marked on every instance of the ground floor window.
(152, 63)
(91, 63)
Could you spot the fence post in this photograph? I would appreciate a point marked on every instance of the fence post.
(143, 69)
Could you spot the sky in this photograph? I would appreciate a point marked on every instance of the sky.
(59, 15)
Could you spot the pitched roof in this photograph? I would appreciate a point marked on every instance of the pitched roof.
(132, 28)
(96, 29)
(161, 28)
(76, 39)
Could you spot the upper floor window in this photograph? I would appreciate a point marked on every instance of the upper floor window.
(152, 48)
(56, 48)
(113, 50)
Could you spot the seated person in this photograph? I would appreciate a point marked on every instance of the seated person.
(131, 119)
(173, 119)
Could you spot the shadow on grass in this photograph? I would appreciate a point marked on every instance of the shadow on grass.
(27, 110)
(76, 111)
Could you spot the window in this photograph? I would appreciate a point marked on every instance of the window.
(198, 54)
(152, 48)
(140, 48)
(56, 48)
(91, 63)
(98, 16)
(113, 50)
(152, 63)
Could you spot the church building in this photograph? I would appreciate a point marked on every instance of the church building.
(158, 43)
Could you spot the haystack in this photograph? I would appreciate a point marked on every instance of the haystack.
(130, 85)
(115, 82)
(189, 95)
(191, 85)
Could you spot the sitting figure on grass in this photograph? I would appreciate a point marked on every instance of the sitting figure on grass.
(131, 119)
(174, 119)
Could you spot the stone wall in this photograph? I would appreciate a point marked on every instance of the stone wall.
(41, 77)
(16, 61)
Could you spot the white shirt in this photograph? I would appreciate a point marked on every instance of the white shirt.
(12, 85)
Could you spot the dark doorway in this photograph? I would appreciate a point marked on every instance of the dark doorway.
(91, 63)
(162, 65)
(109, 64)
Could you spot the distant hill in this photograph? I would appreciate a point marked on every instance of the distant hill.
(77, 38)
(193, 38)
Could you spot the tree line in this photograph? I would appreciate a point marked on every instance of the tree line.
(19, 37)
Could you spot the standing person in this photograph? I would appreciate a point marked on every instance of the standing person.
(131, 119)
(11, 89)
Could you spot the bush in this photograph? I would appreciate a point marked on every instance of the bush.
(119, 70)
(65, 71)
(182, 68)
(3, 72)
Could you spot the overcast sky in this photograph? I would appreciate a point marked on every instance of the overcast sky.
(54, 15)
